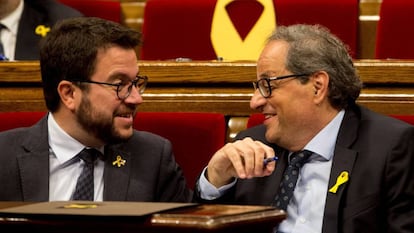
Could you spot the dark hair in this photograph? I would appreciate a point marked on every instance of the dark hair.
(69, 51)
(313, 48)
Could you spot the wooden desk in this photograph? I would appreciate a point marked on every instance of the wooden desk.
(223, 87)
(254, 219)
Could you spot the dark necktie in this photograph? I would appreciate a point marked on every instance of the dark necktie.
(290, 177)
(2, 56)
(84, 186)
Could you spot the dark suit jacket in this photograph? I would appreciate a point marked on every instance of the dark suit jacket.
(149, 174)
(35, 13)
(378, 153)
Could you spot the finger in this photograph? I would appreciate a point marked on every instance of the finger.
(247, 152)
(237, 159)
(265, 152)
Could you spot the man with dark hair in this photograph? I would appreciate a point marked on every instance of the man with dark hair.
(85, 148)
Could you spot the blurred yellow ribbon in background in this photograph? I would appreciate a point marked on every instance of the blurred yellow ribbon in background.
(226, 40)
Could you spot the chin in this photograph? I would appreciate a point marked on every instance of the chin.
(122, 135)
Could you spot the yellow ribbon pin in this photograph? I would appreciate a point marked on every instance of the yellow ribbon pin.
(42, 30)
(342, 178)
(80, 206)
(119, 161)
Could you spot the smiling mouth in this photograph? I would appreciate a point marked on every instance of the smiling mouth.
(125, 115)
(267, 115)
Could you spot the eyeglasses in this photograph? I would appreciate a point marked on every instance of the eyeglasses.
(264, 86)
(123, 89)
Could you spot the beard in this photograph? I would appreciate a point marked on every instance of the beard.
(98, 124)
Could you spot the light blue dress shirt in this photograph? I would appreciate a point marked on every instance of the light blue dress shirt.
(306, 208)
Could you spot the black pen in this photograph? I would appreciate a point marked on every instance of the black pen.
(269, 160)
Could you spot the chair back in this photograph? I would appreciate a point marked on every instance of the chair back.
(186, 28)
(11, 120)
(195, 137)
(394, 33)
(106, 9)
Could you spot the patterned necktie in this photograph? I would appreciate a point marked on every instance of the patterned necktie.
(290, 177)
(84, 186)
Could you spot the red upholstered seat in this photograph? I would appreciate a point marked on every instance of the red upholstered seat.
(181, 28)
(258, 118)
(395, 35)
(255, 119)
(340, 16)
(195, 137)
(11, 120)
(407, 118)
(106, 9)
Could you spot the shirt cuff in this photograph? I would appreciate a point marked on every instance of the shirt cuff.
(208, 191)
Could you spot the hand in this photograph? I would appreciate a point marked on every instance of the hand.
(242, 159)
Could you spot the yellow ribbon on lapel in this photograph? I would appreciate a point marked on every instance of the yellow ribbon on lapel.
(342, 179)
(227, 42)
(119, 161)
(42, 30)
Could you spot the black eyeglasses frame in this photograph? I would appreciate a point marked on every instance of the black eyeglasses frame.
(269, 79)
(120, 86)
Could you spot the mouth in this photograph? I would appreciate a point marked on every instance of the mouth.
(125, 115)
(269, 115)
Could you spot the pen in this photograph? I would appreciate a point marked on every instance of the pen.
(269, 160)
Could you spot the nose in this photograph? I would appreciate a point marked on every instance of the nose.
(257, 101)
(134, 97)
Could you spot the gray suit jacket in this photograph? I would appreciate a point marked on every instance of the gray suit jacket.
(149, 174)
(378, 153)
(35, 13)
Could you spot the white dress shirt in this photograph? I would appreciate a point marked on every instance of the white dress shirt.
(8, 35)
(65, 167)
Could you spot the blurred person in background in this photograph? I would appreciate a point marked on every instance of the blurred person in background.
(24, 22)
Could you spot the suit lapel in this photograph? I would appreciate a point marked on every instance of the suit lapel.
(27, 39)
(116, 174)
(281, 165)
(343, 161)
(33, 163)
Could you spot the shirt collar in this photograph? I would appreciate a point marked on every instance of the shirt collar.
(11, 22)
(324, 142)
(64, 146)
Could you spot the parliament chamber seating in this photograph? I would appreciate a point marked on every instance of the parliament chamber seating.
(182, 28)
(194, 136)
(11, 120)
(395, 35)
(106, 9)
(214, 87)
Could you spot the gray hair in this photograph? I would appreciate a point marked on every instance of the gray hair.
(313, 48)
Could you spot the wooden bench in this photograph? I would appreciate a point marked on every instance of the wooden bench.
(220, 87)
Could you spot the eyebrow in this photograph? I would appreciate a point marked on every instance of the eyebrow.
(269, 74)
(121, 76)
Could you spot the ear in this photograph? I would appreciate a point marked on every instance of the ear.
(320, 82)
(67, 92)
